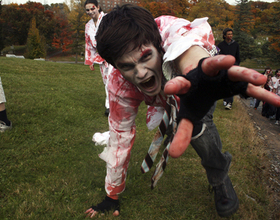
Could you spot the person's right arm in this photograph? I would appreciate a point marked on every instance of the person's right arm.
(211, 67)
(125, 99)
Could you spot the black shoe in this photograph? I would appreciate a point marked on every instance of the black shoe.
(226, 200)
(107, 111)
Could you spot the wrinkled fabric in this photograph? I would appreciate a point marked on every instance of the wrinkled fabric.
(101, 138)
(2, 94)
(92, 56)
(178, 36)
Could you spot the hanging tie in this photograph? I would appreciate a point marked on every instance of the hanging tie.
(168, 119)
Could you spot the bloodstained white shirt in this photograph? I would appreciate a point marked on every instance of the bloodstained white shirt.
(178, 35)
(91, 54)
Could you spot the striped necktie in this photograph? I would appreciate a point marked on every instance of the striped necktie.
(168, 119)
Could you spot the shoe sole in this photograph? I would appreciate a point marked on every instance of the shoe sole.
(231, 211)
(6, 128)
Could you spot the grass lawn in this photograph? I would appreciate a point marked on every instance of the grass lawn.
(50, 169)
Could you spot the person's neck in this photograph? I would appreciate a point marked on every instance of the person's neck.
(228, 40)
(95, 21)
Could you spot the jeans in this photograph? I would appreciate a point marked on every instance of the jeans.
(257, 103)
(278, 114)
(208, 146)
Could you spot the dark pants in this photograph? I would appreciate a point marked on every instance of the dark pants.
(257, 103)
(278, 114)
(208, 146)
(229, 100)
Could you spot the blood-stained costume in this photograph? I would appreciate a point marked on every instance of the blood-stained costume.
(178, 35)
(91, 54)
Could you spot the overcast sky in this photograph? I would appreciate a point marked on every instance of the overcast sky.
(4, 2)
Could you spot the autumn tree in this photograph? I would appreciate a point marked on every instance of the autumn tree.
(78, 19)
(62, 38)
(243, 25)
(157, 8)
(220, 14)
(15, 24)
(272, 25)
(1, 22)
(35, 43)
(179, 7)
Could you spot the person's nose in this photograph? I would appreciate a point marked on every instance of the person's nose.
(141, 71)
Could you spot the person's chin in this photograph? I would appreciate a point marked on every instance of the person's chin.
(153, 92)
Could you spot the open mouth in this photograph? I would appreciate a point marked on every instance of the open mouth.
(148, 83)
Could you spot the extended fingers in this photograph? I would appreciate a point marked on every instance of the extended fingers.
(178, 85)
(212, 65)
(237, 73)
(181, 139)
(262, 94)
(90, 212)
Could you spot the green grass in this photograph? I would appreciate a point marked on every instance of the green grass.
(50, 169)
(260, 64)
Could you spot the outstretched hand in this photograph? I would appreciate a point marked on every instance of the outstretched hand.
(211, 67)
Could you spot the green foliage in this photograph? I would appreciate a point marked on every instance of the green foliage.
(218, 11)
(50, 169)
(35, 43)
(78, 18)
(1, 37)
(242, 26)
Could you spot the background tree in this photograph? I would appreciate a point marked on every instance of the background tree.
(15, 25)
(220, 14)
(1, 23)
(35, 43)
(243, 25)
(179, 7)
(78, 19)
(272, 18)
(157, 8)
(62, 38)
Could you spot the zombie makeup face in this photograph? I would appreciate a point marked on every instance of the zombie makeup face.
(92, 11)
(142, 67)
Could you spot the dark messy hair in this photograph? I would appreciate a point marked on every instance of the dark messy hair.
(124, 26)
(95, 2)
(225, 32)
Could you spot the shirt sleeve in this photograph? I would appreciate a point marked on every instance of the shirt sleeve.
(275, 86)
(89, 49)
(91, 54)
(179, 35)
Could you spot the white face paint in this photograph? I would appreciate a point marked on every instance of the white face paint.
(142, 67)
(92, 11)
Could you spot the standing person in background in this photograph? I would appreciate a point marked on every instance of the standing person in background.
(5, 124)
(229, 47)
(91, 55)
(267, 71)
(267, 109)
(276, 90)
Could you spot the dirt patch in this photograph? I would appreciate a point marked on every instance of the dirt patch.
(270, 134)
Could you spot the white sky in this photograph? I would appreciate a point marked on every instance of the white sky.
(6, 2)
